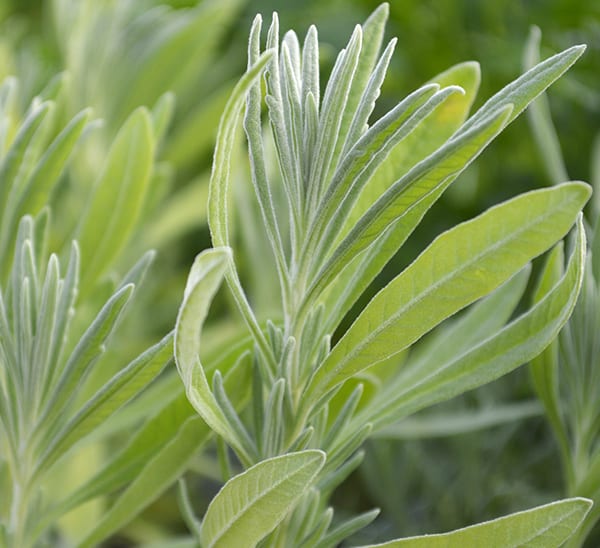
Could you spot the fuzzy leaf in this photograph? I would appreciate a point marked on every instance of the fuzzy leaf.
(252, 504)
(460, 266)
(203, 281)
(126, 384)
(518, 342)
(547, 526)
(119, 194)
(162, 470)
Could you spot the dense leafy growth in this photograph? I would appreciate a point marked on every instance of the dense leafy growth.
(348, 325)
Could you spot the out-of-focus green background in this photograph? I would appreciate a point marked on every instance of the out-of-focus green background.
(421, 486)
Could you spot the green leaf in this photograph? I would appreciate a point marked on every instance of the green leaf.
(35, 195)
(126, 384)
(479, 322)
(547, 526)
(161, 471)
(252, 504)
(354, 118)
(335, 100)
(162, 115)
(518, 342)
(87, 351)
(400, 203)
(365, 157)
(147, 441)
(219, 193)
(460, 266)
(203, 281)
(431, 133)
(120, 189)
(527, 87)
(18, 162)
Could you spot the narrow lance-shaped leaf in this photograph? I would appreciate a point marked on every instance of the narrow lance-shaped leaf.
(518, 342)
(218, 202)
(50, 166)
(120, 189)
(354, 117)
(373, 150)
(203, 281)
(253, 503)
(330, 120)
(482, 320)
(547, 526)
(431, 133)
(460, 266)
(126, 384)
(159, 472)
(396, 204)
(153, 435)
(519, 93)
(253, 128)
(428, 136)
(528, 86)
(89, 348)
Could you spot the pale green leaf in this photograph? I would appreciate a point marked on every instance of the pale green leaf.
(365, 156)
(36, 193)
(518, 342)
(401, 201)
(157, 432)
(252, 504)
(203, 281)
(85, 354)
(162, 115)
(480, 321)
(15, 165)
(547, 526)
(335, 100)
(430, 134)
(219, 192)
(544, 368)
(120, 189)
(527, 87)
(354, 117)
(158, 473)
(460, 266)
(165, 45)
(253, 128)
(126, 384)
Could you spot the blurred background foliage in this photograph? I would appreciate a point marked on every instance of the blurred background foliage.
(122, 54)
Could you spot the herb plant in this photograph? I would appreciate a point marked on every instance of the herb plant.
(295, 400)
(95, 424)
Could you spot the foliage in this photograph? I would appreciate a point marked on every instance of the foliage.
(311, 219)
(352, 194)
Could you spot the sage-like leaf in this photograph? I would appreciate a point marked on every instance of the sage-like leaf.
(547, 526)
(252, 504)
(460, 266)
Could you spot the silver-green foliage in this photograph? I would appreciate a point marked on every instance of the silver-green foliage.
(354, 191)
(53, 401)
